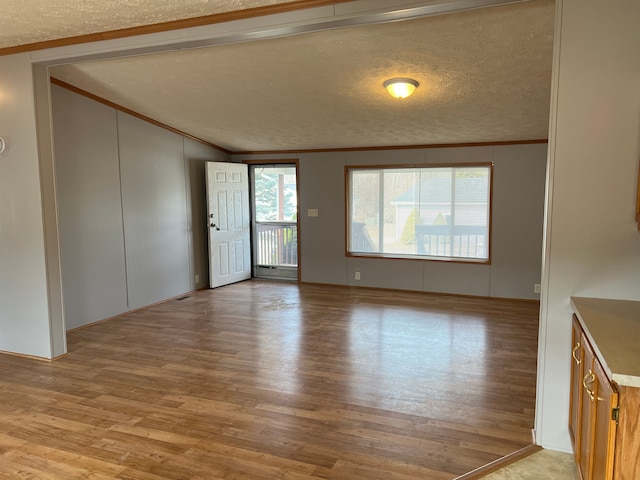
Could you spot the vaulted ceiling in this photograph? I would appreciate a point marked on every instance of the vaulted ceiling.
(484, 74)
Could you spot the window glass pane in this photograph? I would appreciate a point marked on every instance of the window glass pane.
(275, 194)
(435, 196)
(428, 212)
(433, 232)
(472, 196)
(400, 193)
(471, 212)
(365, 211)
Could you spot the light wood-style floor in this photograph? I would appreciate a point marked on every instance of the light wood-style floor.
(271, 380)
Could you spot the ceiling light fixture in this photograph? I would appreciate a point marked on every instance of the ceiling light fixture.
(400, 87)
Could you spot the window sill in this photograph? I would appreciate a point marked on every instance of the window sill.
(477, 261)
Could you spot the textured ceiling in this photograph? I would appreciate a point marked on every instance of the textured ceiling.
(30, 21)
(484, 75)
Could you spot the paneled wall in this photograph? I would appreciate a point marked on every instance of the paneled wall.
(154, 206)
(130, 206)
(24, 304)
(90, 224)
(518, 206)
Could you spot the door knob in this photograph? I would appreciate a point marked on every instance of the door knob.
(214, 226)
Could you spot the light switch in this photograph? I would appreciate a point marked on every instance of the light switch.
(312, 212)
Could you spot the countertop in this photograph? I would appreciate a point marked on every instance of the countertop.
(613, 329)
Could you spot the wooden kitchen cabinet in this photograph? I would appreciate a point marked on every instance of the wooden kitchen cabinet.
(593, 409)
(577, 362)
(604, 415)
(586, 420)
(604, 407)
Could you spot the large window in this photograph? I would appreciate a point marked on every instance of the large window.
(433, 212)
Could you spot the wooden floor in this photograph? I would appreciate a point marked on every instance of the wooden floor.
(267, 380)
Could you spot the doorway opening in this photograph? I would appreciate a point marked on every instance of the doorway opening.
(274, 224)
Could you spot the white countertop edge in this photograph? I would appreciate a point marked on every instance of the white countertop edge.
(623, 380)
(626, 380)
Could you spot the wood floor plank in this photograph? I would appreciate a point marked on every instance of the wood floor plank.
(271, 380)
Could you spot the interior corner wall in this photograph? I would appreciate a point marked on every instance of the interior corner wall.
(24, 306)
(592, 244)
(128, 194)
(518, 207)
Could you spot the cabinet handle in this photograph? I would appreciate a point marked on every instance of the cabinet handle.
(588, 379)
(573, 353)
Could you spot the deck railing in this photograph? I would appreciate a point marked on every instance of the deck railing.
(452, 241)
(277, 244)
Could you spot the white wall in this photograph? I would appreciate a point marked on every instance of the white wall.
(592, 245)
(154, 208)
(89, 208)
(131, 209)
(24, 306)
(518, 201)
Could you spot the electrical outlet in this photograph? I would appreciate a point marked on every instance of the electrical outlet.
(197, 278)
(536, 288)
(357, 276)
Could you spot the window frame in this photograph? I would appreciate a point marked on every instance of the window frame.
(417, 257)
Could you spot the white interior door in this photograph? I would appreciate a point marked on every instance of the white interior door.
(228, 218)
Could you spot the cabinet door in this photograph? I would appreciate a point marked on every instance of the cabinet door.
(604, 435)
(627, 457)
(575, 410)
(597, 428)
(587, 417)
